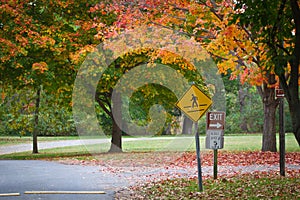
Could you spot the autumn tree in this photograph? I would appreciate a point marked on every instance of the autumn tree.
(43, 44)
(236, 52)
(230, 44)
(149, 84)
(276, 25)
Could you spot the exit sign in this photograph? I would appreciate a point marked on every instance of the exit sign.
(215, 124)
(279, 93)
(215, 120)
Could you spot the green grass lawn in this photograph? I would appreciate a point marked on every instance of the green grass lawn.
(250, 142)
(232, 143)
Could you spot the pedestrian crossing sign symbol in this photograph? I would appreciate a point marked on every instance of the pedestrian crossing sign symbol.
(194, 103)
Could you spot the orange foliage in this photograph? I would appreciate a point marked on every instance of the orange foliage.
(208, 23)
(41, 67)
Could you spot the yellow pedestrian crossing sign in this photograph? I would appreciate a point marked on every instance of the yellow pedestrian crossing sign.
(194, 103)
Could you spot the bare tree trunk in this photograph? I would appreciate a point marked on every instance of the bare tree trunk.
(168, 130)
(36, 121)
(294, 108)
(187, 125)
(293, 91)
(116, 140)
(269, 104)
(269, 130)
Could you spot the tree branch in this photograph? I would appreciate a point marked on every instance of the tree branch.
(184, 33)
(295, 61)
(102, 105)
(276, 28)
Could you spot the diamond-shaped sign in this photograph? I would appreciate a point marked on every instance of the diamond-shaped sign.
(194, 103)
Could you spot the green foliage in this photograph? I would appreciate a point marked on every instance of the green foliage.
(104, 120)
(17, 110)
(245, 112)
(152, 91)
(275, 24)
(146, 96)
(270, 26)
(43, 44)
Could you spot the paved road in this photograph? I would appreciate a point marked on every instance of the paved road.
(33, 175)
(7, 149)
(18, 176)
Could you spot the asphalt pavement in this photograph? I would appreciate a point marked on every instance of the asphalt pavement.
(22, 176)
(19, 176)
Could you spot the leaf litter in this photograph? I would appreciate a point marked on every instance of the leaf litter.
(145, 169)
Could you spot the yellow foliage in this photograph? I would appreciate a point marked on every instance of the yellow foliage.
(169, 58)
(41, 67)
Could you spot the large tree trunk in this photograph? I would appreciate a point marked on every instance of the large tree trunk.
(36, 121)
(269, 130)
(291, 90)
(269, 104)
(294, 102)
(116, 140)
(294, 107)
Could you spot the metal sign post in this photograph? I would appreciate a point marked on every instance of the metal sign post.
(279, 93)
(215, 123)
(200, 184)
(215, 163)
(194, 103)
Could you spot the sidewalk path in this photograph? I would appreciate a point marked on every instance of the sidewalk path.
(7, 149)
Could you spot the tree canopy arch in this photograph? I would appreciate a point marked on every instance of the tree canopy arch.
(91, 74)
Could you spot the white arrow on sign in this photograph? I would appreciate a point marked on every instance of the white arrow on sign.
(217, 125)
